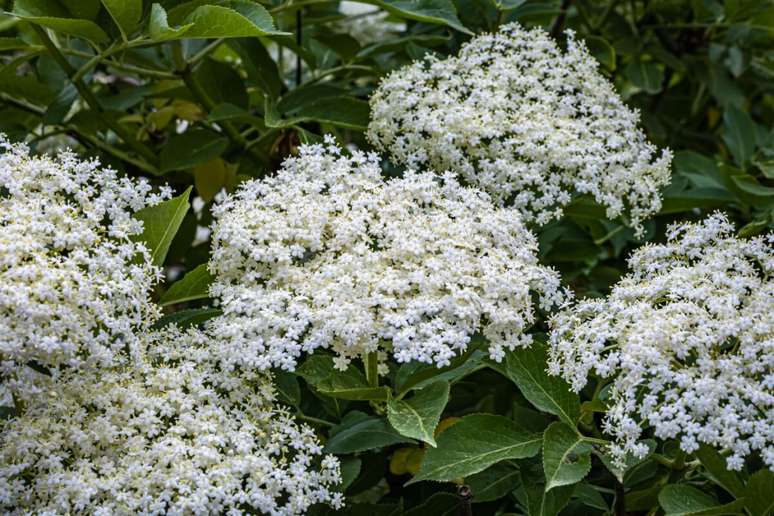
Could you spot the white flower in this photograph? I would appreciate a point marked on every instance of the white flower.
(327, 254)
(526, 122)
(688, 337)
(74, 285)
(170, 434)
(366, 23)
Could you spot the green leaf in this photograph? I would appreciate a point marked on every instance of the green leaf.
(417, 375)
(602, 50)
(158, 26)
(194, 285)
(493, 483)
(758, 494)
(442, 12)
(350, 469)
(646, 75)
(685, 500)
(630, 460)
(126, 13)
(160, 224)
(739, 134)
(718, 471)
(536, 500)
(213, 176)
(231, 19)
(417, 417)
(288, 390)
(438, 504)
(566, 456)
(360, 432)
(186, 318)
(319, 103)
(52, 15)
(12, 44)
(351, 385)
(475, 443)
(191, 148)
(526, 367)
(689, 200)
(259, 66)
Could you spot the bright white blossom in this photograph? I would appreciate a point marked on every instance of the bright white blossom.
(327, 254)
(172, 434)
(688, 338)
(366, 23)
(74, 285)
(523, 120)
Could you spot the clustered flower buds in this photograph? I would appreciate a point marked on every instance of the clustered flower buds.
(74, 281)
(529, 124)
(688, 339)
(131, 419)
(328, 254)
(171, 434)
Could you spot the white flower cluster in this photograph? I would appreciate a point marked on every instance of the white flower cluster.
(74, 286)
(366, 23)
(526, 122)
(688, 336)
(174, 434)
(327, 254)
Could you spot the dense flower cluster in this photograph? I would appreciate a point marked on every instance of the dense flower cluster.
(524, 121)
(74, 285)
(327, 254)
(689, 338)
(173, 434)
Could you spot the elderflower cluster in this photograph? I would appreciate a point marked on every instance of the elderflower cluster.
(366, 23)
(74, 285)
(327, 254)
(529, 124)
(173, 434)
(688, 337)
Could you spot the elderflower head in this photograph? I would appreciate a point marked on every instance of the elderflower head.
(524, 121)
(327, 254)
(74, 286)
(688, 336)
(174, 434)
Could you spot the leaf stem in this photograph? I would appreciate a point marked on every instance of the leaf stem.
(371, 361)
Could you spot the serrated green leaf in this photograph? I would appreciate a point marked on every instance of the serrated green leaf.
(475, 443)
(194, 285)
(441, 12)
(566, 456)
(418, 416)
(190, 149)
(158, 26)
(230, 19)
(438, 504)
(718, 471)
(160, 224)
(526, 367)
(360, 432)
(493, 483)
(685, 500)
(126, 13)
(288, 390)
(646, 75)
